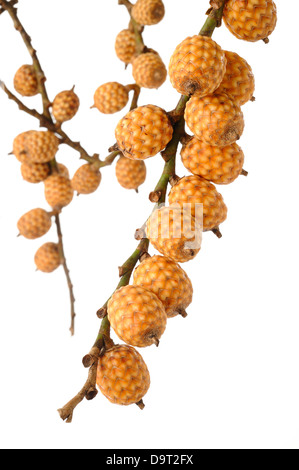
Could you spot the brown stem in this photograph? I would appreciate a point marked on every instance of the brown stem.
(9, 7)
(67, 272)
(66, 413)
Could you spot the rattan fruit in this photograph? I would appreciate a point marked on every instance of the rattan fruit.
(39, 146)
(250, 20)
(197, 66)
(143, 132)
(25, 81)
(130, 173)
(149, 70)
(221, 165)
(34, 224)
(122, 375)
(137, 316)
(196, 190)
(125, 46)
(58, 191)
(65, 106)
(111, 97)
(86, 180)
(215, 119)
(35, 172)
(174, 233)
(148, 12)
(238, 81)
(168, 281)
(19, 148)
(47, 258)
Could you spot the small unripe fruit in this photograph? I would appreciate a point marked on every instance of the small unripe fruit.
(238, 81)
(174, 233)
(143, 132)
(47, 257)
(168, 281)
(137, 316)
(197, 66)
(250, 20)
(148, 12)
(221, 165)
(125, 46)
(130, 173)
(215, 119)
(58, 191)
(40, 146)
(111, 97)
(86, 180)
(35, 172)
(34, 224)
(19, 147)
(149, 70)
(65, 106)
(196, 190)
(122, 375)
(25, 81)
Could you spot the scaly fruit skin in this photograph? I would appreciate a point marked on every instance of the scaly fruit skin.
(65, 106)
(174, 233)
(38, 172)
(19, 148)
(86, 180)
(215, 119)
(122, 375)
(25, 81)
(137, 316)
(168, 281)
(35, 172)
(47, 257)
(130, 173)
(58, 191)
(221, 165)
(197, 66)
(250, 20)
(111, 97)
(196, 190)
(39, 146)
(238, 81)
(125, 46)
(34, 224)
(149, 70)
(143, 132)
(148, 12)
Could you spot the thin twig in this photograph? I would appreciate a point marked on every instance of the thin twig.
(67, 272)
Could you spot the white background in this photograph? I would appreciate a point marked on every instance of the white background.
(227, 375)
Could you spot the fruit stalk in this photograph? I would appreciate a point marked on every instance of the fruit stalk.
(214, 18)
(103, 341)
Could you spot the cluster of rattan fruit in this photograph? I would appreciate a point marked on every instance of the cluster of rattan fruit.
(148, 70)
(36, 151)
(217, 83)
